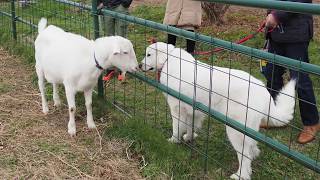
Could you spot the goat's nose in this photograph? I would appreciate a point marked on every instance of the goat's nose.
(140, 66)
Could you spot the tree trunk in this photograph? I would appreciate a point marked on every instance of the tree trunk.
(215, 12)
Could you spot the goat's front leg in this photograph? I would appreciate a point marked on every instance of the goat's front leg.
(88, 98)
(56, 98)
(45, 108)
(70, 93)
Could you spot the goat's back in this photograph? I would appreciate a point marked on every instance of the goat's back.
(62, 54)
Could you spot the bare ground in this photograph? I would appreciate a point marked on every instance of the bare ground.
(35, 146)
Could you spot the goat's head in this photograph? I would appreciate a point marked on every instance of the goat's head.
(118, 52)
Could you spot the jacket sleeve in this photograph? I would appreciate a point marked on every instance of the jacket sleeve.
(283, 16)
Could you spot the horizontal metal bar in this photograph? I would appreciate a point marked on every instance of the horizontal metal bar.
(274, 4)
(281, 148)
(280, 60)
(5, 14)
(276, 59)
(19, 19)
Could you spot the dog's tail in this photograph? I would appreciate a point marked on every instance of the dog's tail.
(42, 24)
(281, 111)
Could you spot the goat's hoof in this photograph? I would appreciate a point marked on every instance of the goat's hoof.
(173, 140)
(72, 132)
(91, 126)
(57, 104)
(45, 110)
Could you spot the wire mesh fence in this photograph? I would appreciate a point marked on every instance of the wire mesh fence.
(188, 93)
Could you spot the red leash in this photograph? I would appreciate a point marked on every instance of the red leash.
(250, 36)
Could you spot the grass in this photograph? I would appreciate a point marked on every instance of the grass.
(150, 124)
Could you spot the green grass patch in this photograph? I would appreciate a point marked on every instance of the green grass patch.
(8, 162)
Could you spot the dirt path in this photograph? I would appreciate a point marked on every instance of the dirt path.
(34, 146)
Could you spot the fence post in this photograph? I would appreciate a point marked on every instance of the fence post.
(13, 19)
(96, 35)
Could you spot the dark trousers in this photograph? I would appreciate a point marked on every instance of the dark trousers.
(190, 44)
(307, 101)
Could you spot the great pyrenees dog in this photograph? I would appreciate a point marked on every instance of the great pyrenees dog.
(234, 93)
(76, 62)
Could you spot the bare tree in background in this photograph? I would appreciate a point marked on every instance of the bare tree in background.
(215, 12)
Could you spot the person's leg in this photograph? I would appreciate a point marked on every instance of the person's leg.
(121, 25)
(102, 25)
(172, 39)
(307, 102)
(190, 45)
(108, 25)
(274, 72)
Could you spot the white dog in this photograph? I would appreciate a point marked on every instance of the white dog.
(76, 62)
(234, 93)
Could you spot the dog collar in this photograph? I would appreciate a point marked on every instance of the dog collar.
(97, 63)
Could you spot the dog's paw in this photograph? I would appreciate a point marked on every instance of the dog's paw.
(173, 140)
(187, 137)
(237, 177)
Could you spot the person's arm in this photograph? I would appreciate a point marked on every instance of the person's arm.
(100, 4)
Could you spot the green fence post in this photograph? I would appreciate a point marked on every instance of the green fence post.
(96, 35)
(13, 19)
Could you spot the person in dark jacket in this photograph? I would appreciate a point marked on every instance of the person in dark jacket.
(110, 25)
(290, 37)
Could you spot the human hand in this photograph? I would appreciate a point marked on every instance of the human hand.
(271, 21)
(100, 6)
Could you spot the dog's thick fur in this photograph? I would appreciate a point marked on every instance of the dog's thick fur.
(235, 93)
(69, 59)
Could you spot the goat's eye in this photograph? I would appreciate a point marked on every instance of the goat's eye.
(125, 52)
(148, 55)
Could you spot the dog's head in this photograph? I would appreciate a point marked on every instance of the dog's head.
(118, 52)
(156, 55)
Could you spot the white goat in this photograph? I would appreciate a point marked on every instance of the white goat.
(72, 60)
(234, 93)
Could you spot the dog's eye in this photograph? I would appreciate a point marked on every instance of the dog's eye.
(125, 52)
(148, 55)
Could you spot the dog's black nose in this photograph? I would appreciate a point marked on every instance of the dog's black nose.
(140, 66)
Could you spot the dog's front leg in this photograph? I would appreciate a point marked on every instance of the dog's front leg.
(178, 126)
(191, 127)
